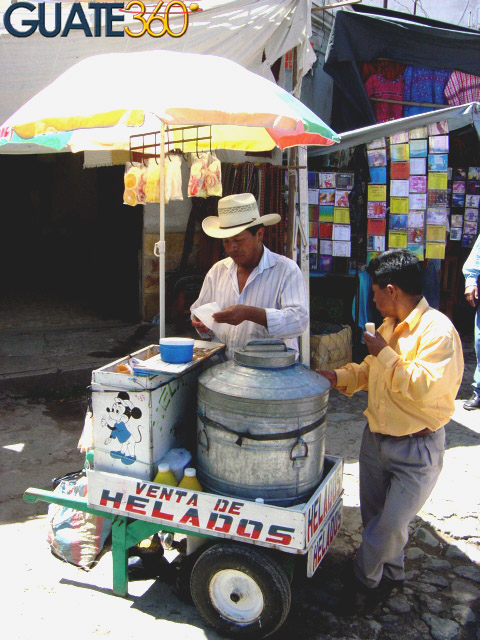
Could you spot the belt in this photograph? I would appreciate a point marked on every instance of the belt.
(418, 434)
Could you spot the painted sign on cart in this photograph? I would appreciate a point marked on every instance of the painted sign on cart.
(291, 529)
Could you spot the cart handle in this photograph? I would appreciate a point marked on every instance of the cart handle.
(78, 504)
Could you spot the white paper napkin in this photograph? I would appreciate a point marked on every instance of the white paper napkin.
(205, 313)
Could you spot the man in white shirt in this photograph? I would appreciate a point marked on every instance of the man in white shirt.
(261, 294)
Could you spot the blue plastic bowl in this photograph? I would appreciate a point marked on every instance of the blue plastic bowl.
(176, 350)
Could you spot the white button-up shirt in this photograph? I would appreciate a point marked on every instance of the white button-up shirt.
(276, 285)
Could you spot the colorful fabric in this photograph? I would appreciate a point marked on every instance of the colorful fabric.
(423, 85)
(386, 68)
(413, 381)
(462, 88)
(379, 87)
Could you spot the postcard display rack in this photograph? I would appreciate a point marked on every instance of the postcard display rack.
(425, 197)
(329, 218)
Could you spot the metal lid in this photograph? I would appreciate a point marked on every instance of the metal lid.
(266, 354)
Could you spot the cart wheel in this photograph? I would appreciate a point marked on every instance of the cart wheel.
(240, 591)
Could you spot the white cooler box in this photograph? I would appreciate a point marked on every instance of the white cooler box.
(137, 419)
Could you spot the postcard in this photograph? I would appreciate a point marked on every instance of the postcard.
(326, 247)
(418, 184)
(436, 233)
(473, 187)
(397, 222)
(326, 196)
(472, 201)
(371, 255)
(379, 143)
(313, 229)
(325, 230)
(417, 201)
(459, 186)
(437, 216)
(313, 212)
(397, 240)
(399, 170)
(417, 249)
(438, 180)
(416, 219)
(377, 192)
(470, 227)
(435, 250)
(345, 181)
(376, 243)
(377, 157)
(471, 214)
(456, 220)
(437, 198)
(378, 175)
(341, 232)
(399, 138)
(400, 205)
(474, 173)
(399, 152)
(399, 188)
(341, 198)
(325, 264)
(341, 249)
(418, 148)
(376, 209)
(415, 235)
(325, 213)
(438, 144)
(458, 200)
(468, 240)
(327, 180)
(456, 233)
(313, 261)
(313, 196)
(438, 161)
(312, 245)
(459, 173)
(376, 227)
(419, 132)
(438, 128)
(418, 166)
(341, 215)
(312, 180)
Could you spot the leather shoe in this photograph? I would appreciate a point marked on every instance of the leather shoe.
(357, 600)
(472, 403)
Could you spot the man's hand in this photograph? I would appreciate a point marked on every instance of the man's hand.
(471, 295)
(199, 326)
(235, 314)
(374, 343)
(330, 375)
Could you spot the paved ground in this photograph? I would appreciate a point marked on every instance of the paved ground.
(44, 597)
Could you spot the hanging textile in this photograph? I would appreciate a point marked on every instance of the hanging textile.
(423, 85)
(462, 88)
(210, 248)
(379, 87)
(386, 68)
(272, 201)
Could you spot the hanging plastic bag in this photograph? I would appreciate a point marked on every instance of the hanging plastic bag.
(135, 179)
(173, 178)
(196, 184)
(75, 536)
(152, 188)
(213, 176)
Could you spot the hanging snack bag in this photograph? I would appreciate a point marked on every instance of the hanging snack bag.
(213, 176)
(173, 178)
(196, 184)
(135, 179)
(152, 188)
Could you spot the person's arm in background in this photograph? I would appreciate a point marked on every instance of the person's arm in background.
(471, 271)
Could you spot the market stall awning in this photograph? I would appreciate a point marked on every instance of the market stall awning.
(457, 118)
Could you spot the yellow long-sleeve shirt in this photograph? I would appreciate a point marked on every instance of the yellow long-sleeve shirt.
(412, 383)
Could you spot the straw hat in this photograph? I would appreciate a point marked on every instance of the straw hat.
(235, 214)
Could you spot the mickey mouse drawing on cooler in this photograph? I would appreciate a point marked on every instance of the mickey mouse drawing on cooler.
(117, 420)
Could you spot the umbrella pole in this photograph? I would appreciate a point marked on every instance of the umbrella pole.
(161, 257)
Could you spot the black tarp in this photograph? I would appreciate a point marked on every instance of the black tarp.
(365, 37)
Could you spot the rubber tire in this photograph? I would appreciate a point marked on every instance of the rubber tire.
(267, 573)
